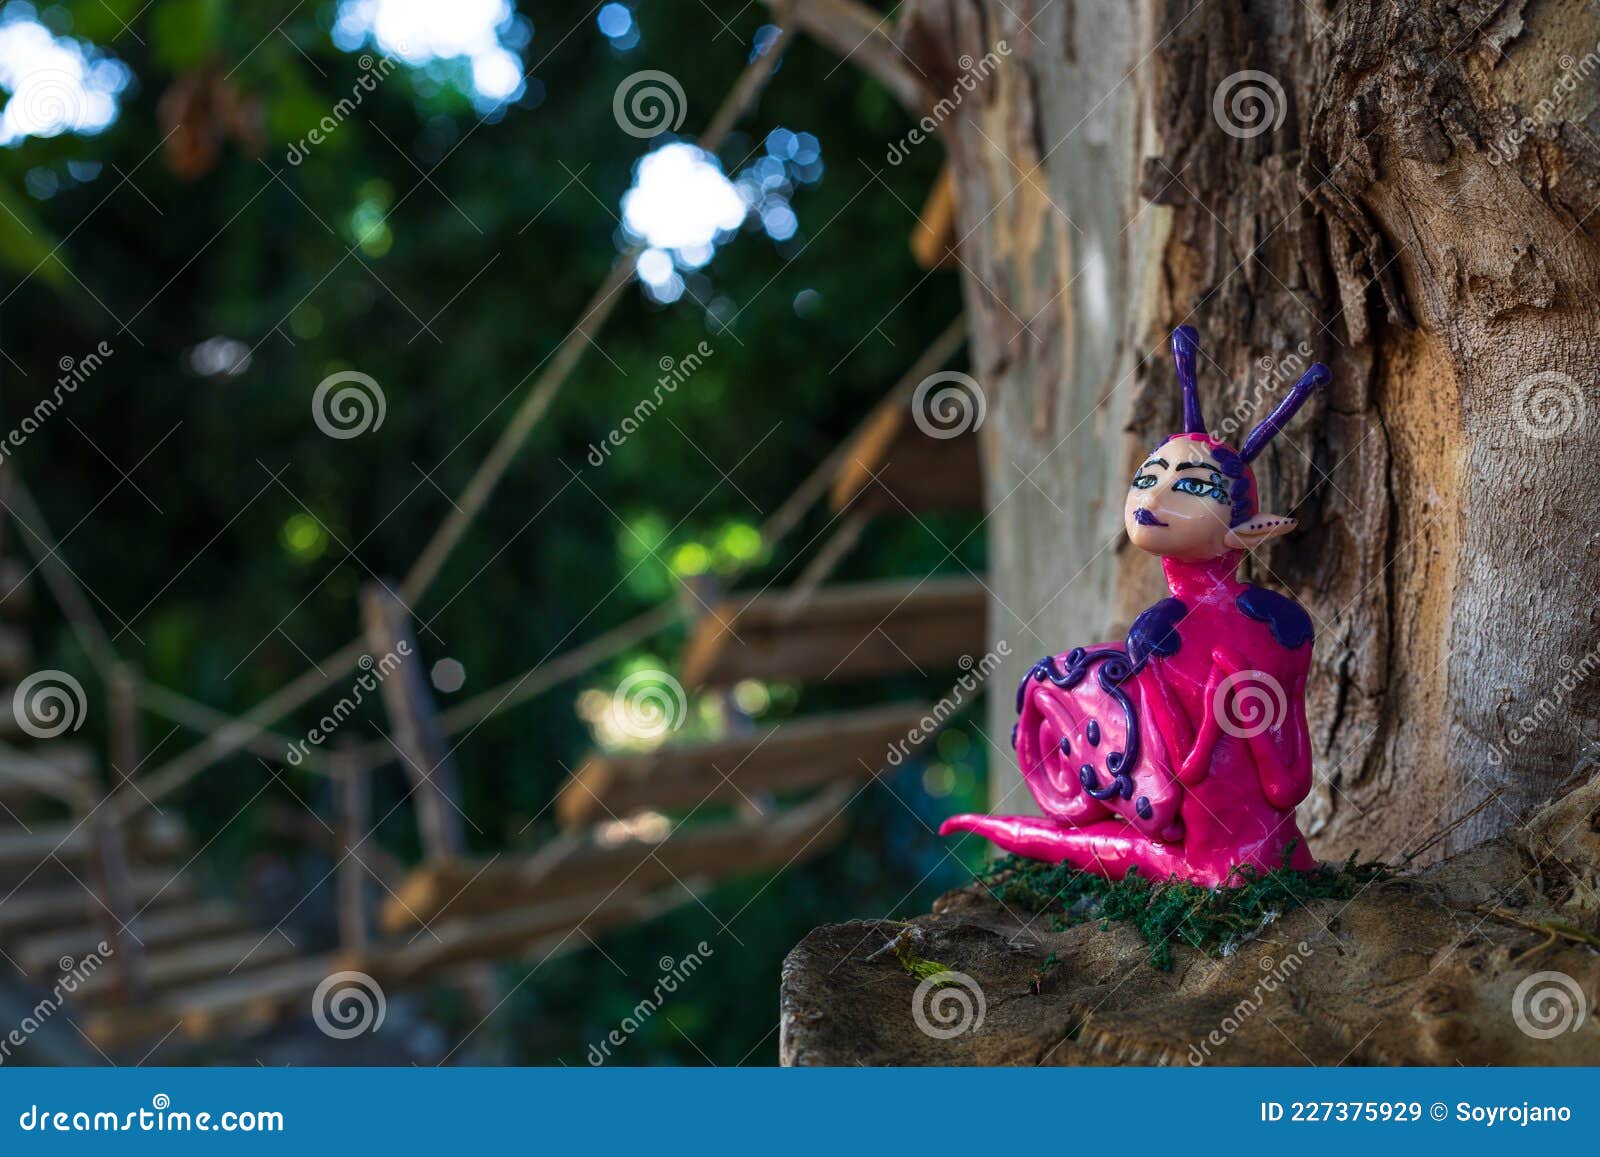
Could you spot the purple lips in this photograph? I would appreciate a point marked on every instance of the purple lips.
(1144, 518)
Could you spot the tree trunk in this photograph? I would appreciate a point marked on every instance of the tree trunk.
(1403, 191)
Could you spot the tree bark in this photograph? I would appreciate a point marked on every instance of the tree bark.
(1403, 191)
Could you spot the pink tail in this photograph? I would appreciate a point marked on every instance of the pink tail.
(1110, 848)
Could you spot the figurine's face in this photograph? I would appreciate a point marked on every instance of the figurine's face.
(1179, 503)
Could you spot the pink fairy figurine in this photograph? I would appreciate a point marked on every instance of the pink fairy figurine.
(1185, 751)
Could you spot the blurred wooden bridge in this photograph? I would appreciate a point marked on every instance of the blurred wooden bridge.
(91, 868)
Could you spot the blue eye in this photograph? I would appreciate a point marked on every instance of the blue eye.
(1200, 489)
(1144, 481)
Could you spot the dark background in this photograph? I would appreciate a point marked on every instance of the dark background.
(223, 584)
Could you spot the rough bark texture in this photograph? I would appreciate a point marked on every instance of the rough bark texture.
(1420, 219)
(1443, 967)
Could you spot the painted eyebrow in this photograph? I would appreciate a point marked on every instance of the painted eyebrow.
(1194, 466)
(1161, 462)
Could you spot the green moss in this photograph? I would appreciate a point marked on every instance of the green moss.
(917, 966)
(1169, 912)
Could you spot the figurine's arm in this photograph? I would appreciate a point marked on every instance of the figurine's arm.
(1273, 727)
(1198, 761)
(1283, 753)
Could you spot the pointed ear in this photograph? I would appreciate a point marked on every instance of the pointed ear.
(1262, 528)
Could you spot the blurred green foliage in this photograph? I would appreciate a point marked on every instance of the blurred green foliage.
(224, 538)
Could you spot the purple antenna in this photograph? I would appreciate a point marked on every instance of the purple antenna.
(1185, 347)
(1317, 375)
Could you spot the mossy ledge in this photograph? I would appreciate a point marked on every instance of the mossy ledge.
(1172, 912)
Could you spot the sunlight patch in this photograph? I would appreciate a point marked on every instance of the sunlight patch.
(56, 85)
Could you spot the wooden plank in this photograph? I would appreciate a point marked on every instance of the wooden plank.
(414, 724)
(892, 467)
(40, 955)
(157, 839)
(933, 238)
(41, 908)
(55, 771)
(802, 753)
(583, 866)
(238, 1004)
(188, 964)
(840, 633)
(74, 760)
(504, 934)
